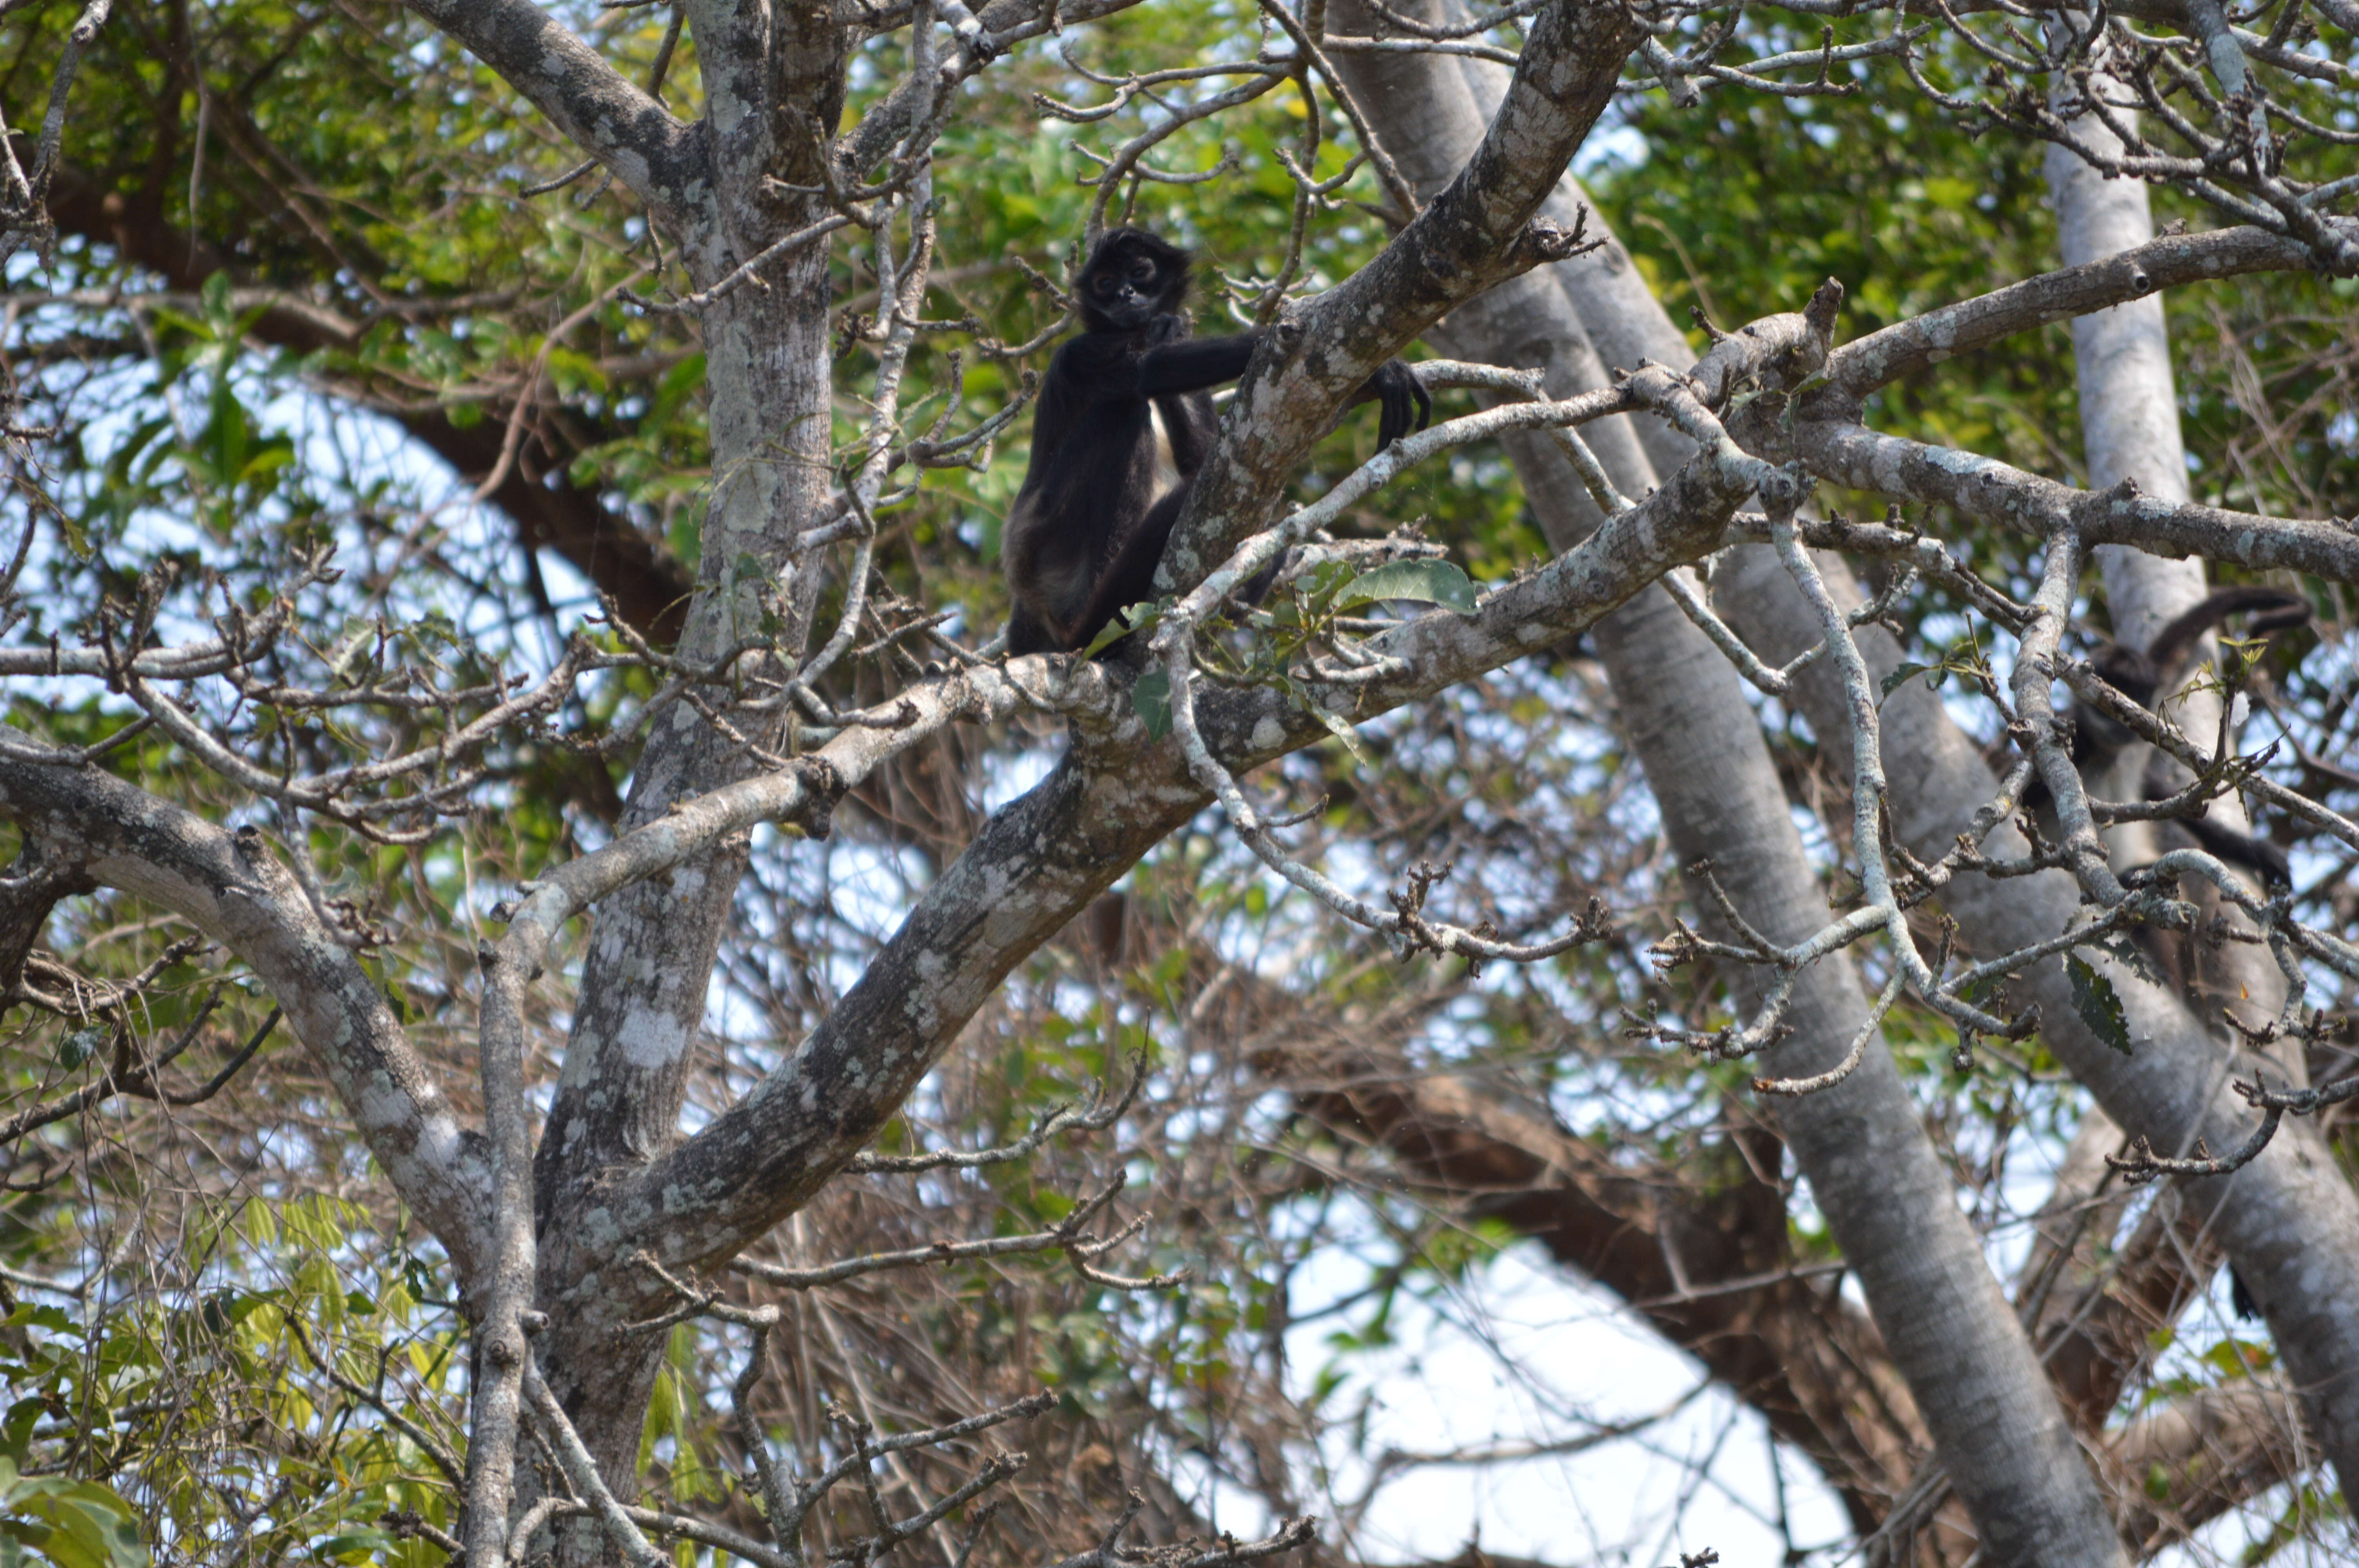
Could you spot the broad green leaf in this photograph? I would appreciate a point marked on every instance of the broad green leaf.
(1135, 619)
(1426, 583)
(1900, 675)
(74, 1524)
(80, 1045)
(358, 1546)
(2234, 1358)
(2099, 1005)
(1151, 700)
(1340, 728)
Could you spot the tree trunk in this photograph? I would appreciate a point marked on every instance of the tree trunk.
(769, 376)
(1874, 1173)
(1793, 1348)
(2129, 431)
(2289, 1221)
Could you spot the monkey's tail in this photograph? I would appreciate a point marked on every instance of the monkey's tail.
(2272, 609)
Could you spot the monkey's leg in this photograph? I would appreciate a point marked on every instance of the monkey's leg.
(1129, 577)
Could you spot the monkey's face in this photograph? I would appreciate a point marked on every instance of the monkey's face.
(1126, 286)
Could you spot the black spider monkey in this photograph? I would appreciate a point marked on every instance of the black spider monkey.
(1123, 425)
(2098, 739)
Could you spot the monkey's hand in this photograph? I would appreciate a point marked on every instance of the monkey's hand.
(1168, 328)
(1396, 389)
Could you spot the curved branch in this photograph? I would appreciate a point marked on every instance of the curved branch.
(1478, 231)
(659, 160)
(1882, 357)
(231, 888)
(1999, 492)
(1042, 860)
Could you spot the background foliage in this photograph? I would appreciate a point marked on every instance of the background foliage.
(299, 276)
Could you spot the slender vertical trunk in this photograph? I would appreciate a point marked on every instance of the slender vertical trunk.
(2289, 1221)
(1872, 1170)
(769, 371)
(2129, 430)
(651, 947)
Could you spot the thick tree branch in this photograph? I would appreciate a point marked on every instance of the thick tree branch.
(1812, 1363)
(230, 886)
(660, 160)
(1474, 234)
(2286, 1218)
(1861, 366)
(2212, 1450)
(1042, 859)
(1999, 492)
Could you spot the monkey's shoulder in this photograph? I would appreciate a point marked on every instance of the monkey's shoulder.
(1098, 355)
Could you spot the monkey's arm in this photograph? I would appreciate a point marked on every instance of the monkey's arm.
(1192, 365)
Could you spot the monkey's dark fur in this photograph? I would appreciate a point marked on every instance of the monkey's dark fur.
(1123, 425)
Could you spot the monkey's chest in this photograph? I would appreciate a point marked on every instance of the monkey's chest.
(1167, 465)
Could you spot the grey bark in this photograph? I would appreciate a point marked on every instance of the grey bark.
(644, 986)
(1871, 1167)
(231, 885)
(2290, 1219)
(2129, 430)
(608, 1181)
(1038, 864)
(1475, 231)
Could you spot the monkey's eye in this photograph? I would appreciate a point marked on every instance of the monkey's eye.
(1141, 270)
(1104, 284)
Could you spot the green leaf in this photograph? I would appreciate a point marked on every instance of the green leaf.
(2130, 956)
(1899, 677)
(2099, 1005)
(1983, 993)
(679, 385)
(574, 372)
(357, 1546)
(1319, 587)
(16, 1428)
(80, 1045)
(1133, 619)
(1151, 700)
(2234, 1358)
(74, 1524)
(1426, 583)
(214, 294)
(1340, 728)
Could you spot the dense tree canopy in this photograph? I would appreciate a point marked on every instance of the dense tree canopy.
(567, 1002)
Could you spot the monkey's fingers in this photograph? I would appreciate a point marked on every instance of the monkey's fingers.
(1397, 389)
(1393, 405)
